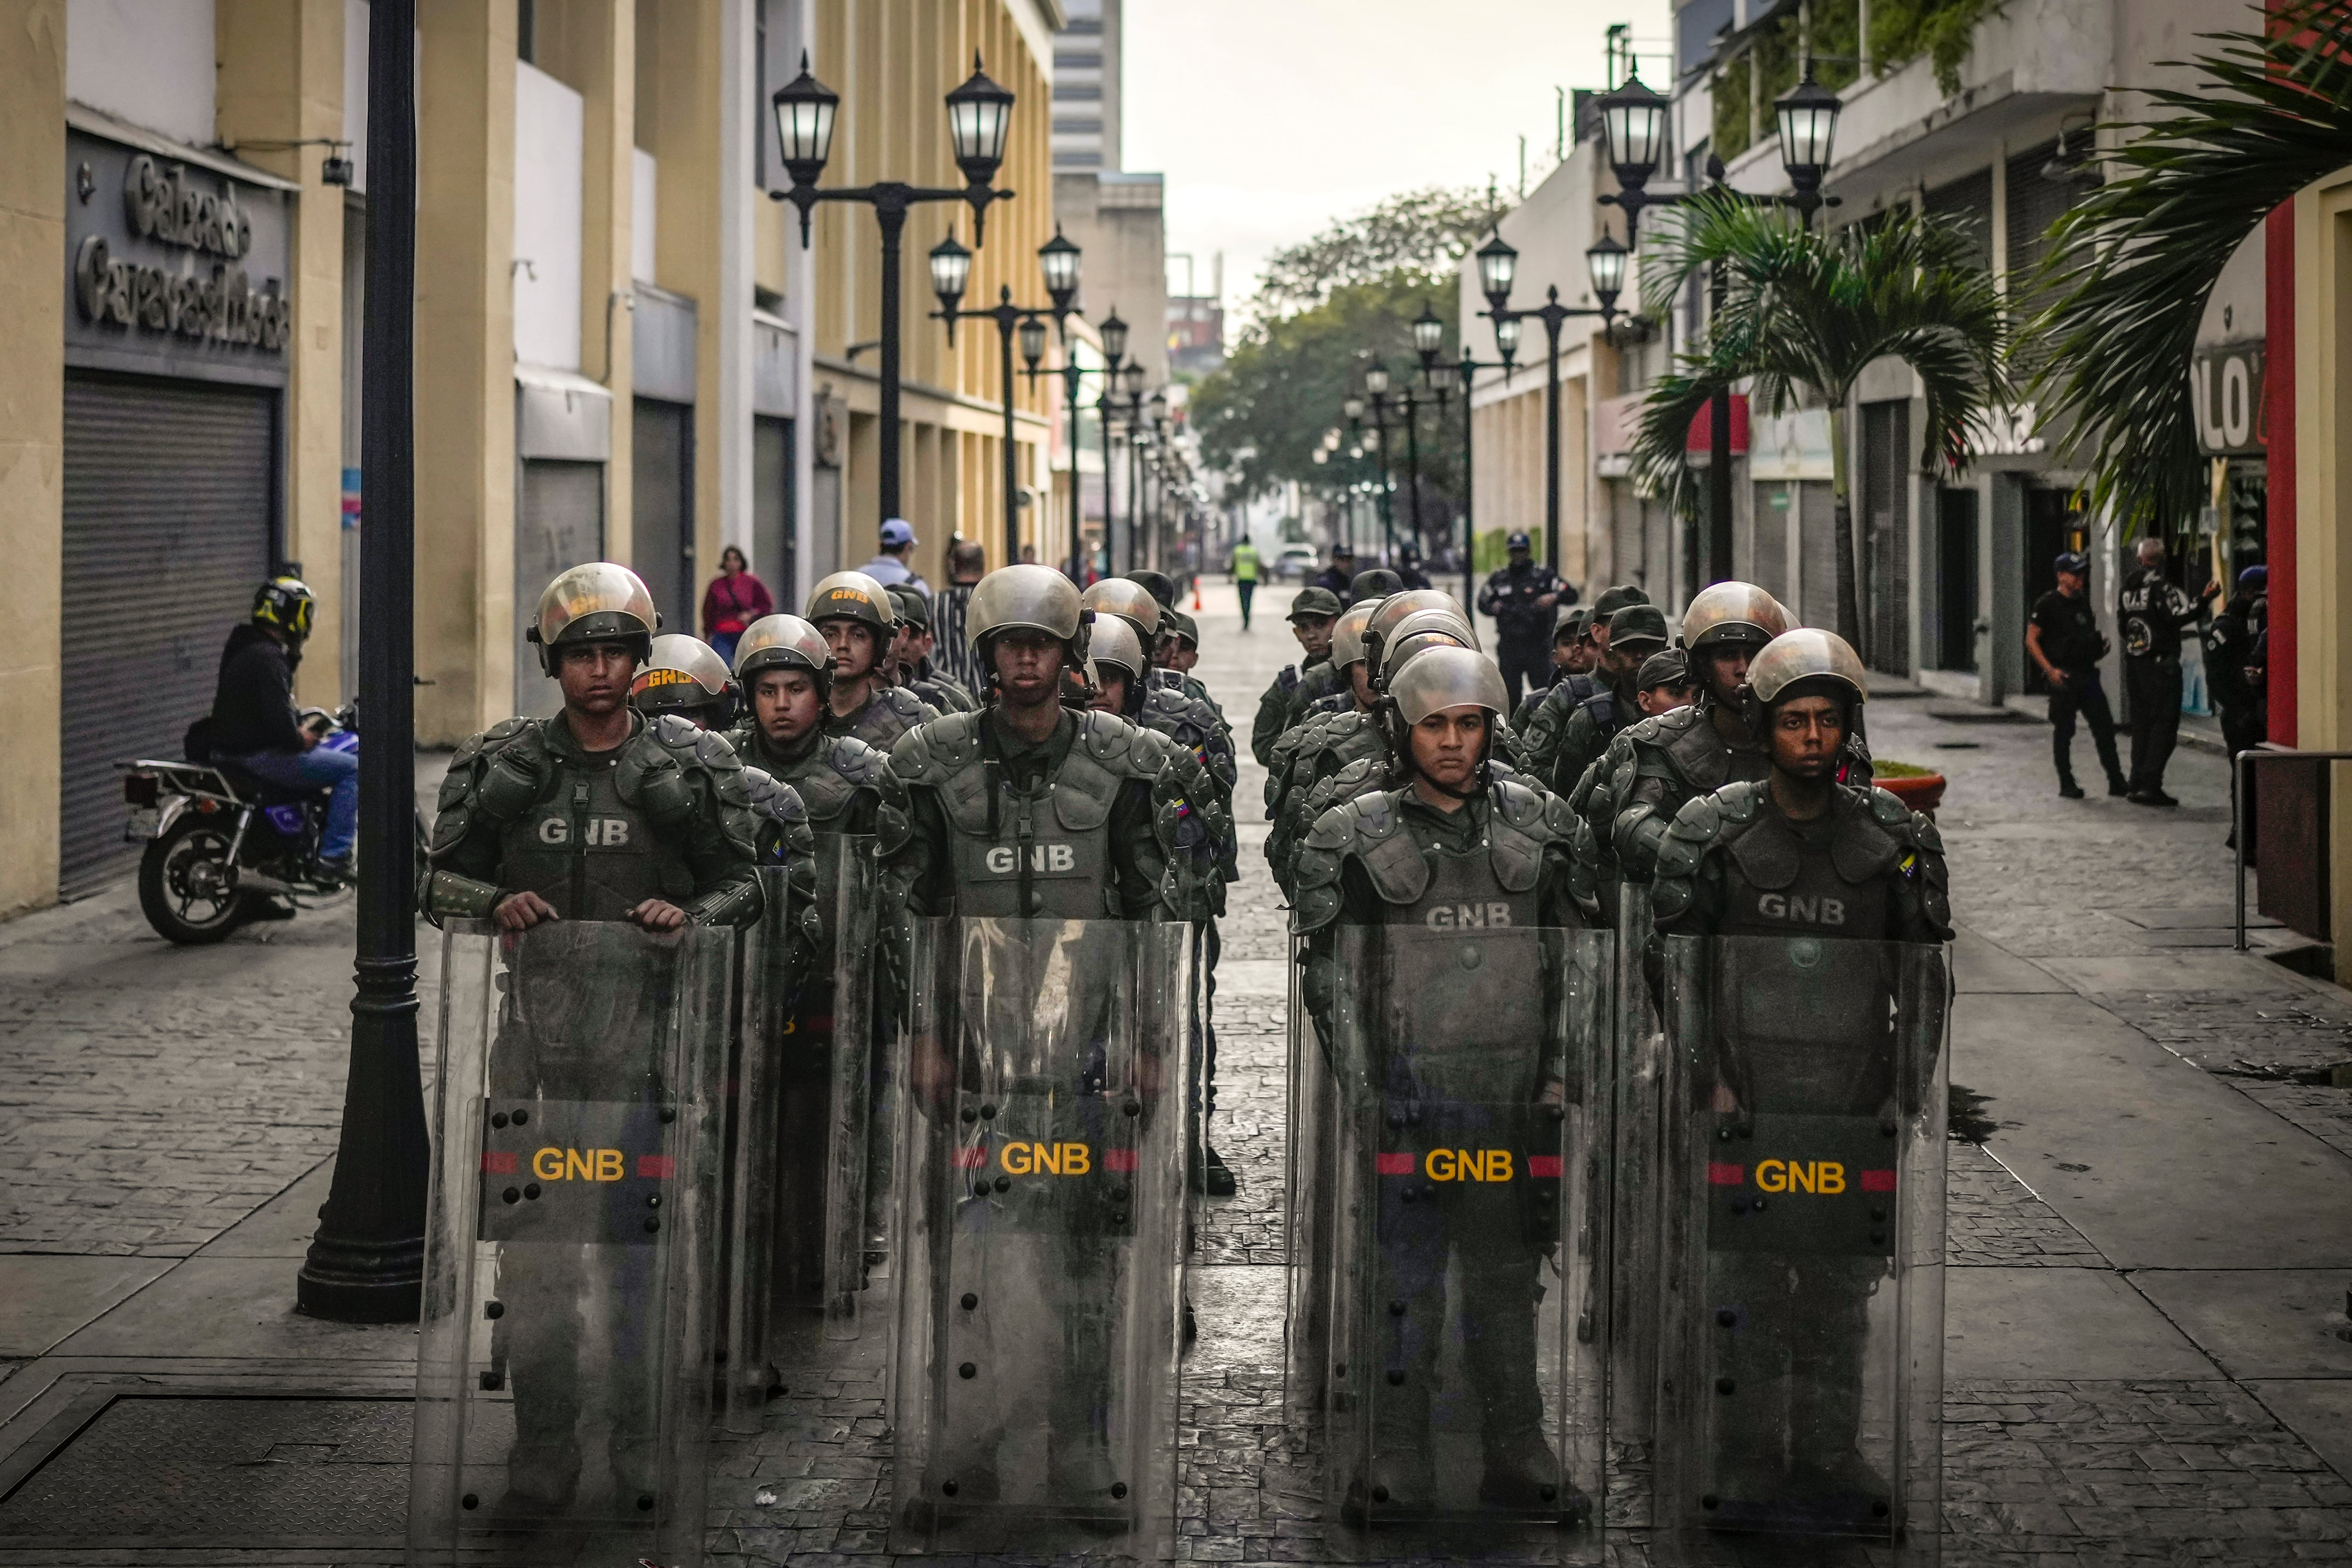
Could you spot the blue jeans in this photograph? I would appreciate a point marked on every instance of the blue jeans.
(317, 768)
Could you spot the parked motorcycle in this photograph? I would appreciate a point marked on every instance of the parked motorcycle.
(225, 846)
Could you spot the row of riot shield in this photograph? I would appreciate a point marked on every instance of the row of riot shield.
(1595, 1231)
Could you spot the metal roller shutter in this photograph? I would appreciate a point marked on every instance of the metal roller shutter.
(558, 523)
(170, 500)
(661, 528)
(1817, 552)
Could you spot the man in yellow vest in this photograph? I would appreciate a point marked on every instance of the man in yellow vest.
(1246, 568)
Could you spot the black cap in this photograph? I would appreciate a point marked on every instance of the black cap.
(2069, 561)
(1671, 668)
(1314, 602)
(1518, 541)
(1343, 551)
(1156, 584)
(1637, 622)
(1178, 624)
(913, 605)
(1378, 582)
(1572, 625)
(1613, 599)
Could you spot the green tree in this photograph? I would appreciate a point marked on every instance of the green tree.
(1263, 416)
(1807, 311)
(1420, 231)
(2133, 263)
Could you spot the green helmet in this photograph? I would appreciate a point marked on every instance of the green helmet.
(854, 597)
(684, 675)
(1128, 600)
(784, 642)
(599, 602)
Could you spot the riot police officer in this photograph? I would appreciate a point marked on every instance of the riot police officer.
(910, 654)
(1152, 853)
(1803, 1051)
(1028, 812)
(1312, 613)
(597, 813)
(1524, 600)
(1635, 633)
(850, 793)
(1452, 840)
(860, 623)
(1540, 735)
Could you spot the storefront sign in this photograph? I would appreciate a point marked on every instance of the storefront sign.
(2225, 391)
(174, 261)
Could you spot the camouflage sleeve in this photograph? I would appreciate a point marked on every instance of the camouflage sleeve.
(1539, 738)
(1272, 713)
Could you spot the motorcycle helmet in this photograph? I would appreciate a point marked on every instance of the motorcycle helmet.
(685, 676)
(599, 602)
(285, 604)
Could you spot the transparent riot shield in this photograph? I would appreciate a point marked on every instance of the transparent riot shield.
(1636, 1115)
(1308, 1192)
(1041, 1237)
(823, 1049)
(765, 991)
(1800, 1380)
(1464, 1383)
(564, 1370)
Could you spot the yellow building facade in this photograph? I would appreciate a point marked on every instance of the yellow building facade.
(623, 351)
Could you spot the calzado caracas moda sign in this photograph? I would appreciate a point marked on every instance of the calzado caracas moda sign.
(221, 303)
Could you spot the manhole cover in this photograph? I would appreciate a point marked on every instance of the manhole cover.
(204, 1470)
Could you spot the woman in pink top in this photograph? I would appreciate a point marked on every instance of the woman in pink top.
(733, 601)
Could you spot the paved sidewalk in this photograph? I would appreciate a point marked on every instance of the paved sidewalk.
(2148, 1351)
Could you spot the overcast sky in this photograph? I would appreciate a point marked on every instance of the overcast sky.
(1272, 117)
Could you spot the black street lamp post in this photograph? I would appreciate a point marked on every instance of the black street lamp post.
(1057, 259)
(980, 113)
(1632, 117)
(1032, 349)
(1373, 438)
(366, 1264)
(1123, 421)
(1499, 265)
(1445, 376)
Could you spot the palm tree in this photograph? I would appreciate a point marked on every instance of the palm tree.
(2133, 263)
(1809, 310)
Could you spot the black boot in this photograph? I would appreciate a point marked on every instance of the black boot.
(2067, 788)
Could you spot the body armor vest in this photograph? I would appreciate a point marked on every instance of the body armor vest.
(588, 852)
(1043, 855)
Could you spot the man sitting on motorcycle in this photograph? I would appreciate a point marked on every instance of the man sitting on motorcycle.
(252, 722)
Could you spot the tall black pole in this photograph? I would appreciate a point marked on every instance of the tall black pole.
(1412, 461)
(1388, 502)
(1012, 467)
(367, 1262)
(1551, 441)
(1070, 376)
(1469, 490)
(1138, 512)
(1718, 451)
(893, 217)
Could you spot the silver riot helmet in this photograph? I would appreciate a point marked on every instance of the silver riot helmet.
(1808, 662)
(1113, 648)
(1347, 633)
(1028, 597)
(784, 642)
(1130, 602)
(1436, 679)
(1396, 607)
(1732, 613)
(855, 596)
(1422, 629)
(686, 676)
(600, 601)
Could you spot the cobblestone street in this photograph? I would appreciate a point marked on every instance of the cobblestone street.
(2149, 1355)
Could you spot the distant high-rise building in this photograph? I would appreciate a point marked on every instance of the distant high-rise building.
(1086, 87)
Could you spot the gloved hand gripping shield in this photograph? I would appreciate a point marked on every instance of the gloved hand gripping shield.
(564, 1371)
(1463, 1381)
(1041, 1167)
(1801, 1345)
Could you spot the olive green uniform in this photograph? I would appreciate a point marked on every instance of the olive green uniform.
(1274, 708)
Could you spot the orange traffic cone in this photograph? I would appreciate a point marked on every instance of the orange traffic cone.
(1196, 592)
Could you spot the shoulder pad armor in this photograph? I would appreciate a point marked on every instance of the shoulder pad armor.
(930, 753)
(908, 706)
(1890, 811)
(1739, 803)
(1924, 833)
(494, 778)
(1688, 839)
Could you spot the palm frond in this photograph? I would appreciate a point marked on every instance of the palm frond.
(2133, 264)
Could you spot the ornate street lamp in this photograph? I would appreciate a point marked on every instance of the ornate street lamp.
(1808, 121)
(1498, 266)
(980, 115)
(1634, 122)
(1057, 261)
